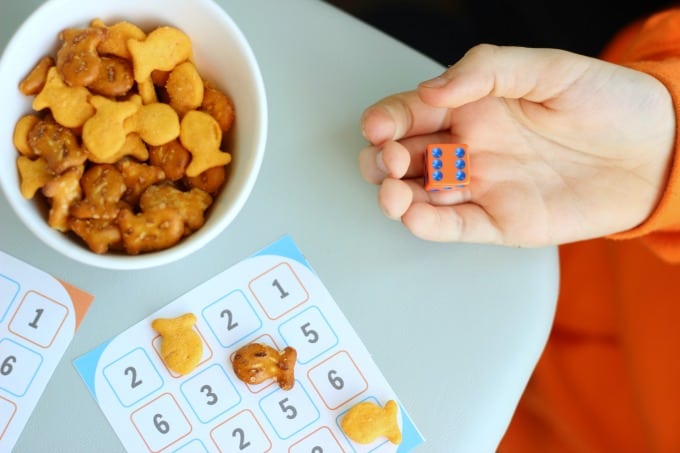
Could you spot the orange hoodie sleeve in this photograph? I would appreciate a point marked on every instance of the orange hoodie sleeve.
(653, 46)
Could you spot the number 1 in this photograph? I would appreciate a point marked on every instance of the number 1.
(277, 285)
(38, 314)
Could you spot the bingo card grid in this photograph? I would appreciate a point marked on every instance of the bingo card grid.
(273, 297)
(39, 315)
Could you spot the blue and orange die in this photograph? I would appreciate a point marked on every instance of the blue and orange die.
(446, 166)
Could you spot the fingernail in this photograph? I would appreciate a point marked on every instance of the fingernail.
(380, 163)
(437, 82)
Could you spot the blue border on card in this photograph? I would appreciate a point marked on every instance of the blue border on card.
(286, 247)
(9, 304)
(86, 366)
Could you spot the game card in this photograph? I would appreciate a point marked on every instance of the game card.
(273, 297)
(39, 315)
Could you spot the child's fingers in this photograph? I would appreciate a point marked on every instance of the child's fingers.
(505, 72)
(396, 196)
(401, 115)
(465, 222)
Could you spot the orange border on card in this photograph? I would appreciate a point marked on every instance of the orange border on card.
(314, 432)
(132, 420)
(291, 308)
(326, 360)
(56, 332)
(9, 420)
(264, 433)
(80, 300)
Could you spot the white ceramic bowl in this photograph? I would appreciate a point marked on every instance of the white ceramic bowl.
(222, 55)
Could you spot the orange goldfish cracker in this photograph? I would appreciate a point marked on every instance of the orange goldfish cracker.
(172, 157)
(210, 181)
(202, 136)
(255, 363)
(190, 205)
(181, 346)
(63, 191)
(56, 144)
(163, 49)
(34, 82)
(138, 176)
(366, 421)
(77, 59)
(147, 92)
(133, 147)
(34, 174)
(115, 42)
(103, 186)
(103, 133)
(21, 130)
(156, 124)
(218, 105)
(70, 106)
(185, 88)
(114, 79)
(100, 235)
(150, 231)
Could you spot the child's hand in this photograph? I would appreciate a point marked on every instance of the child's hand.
(562, 148)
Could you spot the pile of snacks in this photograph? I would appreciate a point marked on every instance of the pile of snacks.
(125, 141)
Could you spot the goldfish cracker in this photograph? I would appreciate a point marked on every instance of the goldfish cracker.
(150, 231)
(20, 137)
(191, 205)
(366, 421)
(70, 106)
(210, 181)
(100, 235)
(202, 136)
(133, 147)
(255, 363)
(185, 88)
(162, 49)
(181, 346)
(138, 176)
(155, 123)
(34, 82)
(103, 133)
(218, 105)
(34, 174)
(77, 59)
(56, 144)
(63, 191)
(172, 157)
(118, 34)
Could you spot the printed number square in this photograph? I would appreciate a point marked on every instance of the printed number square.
(161, 422)
(242, 433)
(195, 446)
(311, 334)
(322, 440)
(231, 318)
(337, 380)
(18, 367)
(205, 356)
(133, 377)
(289, 411)
(278, 291)
(7, 411)
(38, 319)
(210, 393)
(8, 292)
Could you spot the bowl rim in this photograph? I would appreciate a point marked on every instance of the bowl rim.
(79, 252)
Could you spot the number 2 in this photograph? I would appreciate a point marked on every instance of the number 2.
(230, 319)
(134, 382)
(242, 444)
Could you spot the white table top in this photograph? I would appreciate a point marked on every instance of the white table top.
(458, 357)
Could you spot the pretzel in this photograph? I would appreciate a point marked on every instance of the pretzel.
(77, 58)
(63, 191)
(56, 144)
(150, 231)
(34, 82)
(255, 363)
(190, 205)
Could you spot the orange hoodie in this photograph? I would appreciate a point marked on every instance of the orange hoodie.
(609, 378)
